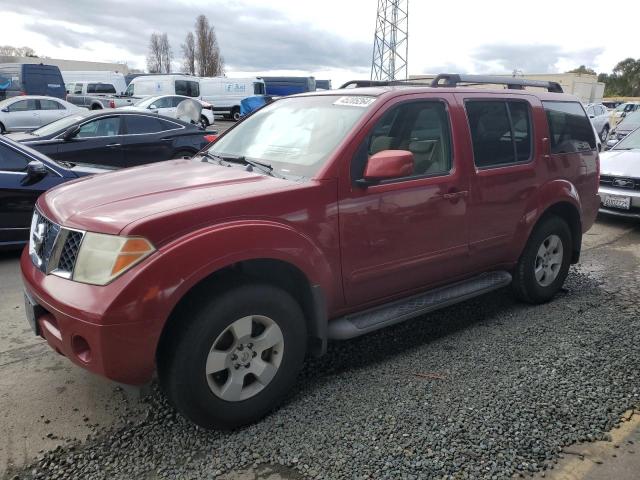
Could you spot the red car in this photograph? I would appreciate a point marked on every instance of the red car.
(321, 216)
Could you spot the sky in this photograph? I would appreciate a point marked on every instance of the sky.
(334, 38)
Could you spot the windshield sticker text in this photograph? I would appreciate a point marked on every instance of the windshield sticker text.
(355, 101)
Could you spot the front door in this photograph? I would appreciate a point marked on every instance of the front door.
(23, 115)
(409, 233)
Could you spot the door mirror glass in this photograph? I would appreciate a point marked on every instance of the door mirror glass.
(389, 164)
(71, 132)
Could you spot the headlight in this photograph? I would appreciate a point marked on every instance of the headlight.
(104, 257)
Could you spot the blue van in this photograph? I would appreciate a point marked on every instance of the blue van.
(30, 79)
(281, 86)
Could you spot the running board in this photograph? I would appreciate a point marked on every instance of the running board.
(382, 316)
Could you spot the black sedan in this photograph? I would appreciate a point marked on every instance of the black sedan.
(115, 138)
(24, 175)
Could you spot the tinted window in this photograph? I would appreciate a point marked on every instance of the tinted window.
(102, 88)
(500, 132)
(167, 125)
(570, 128)
(50, 105)
(78, 89)
(258, 88)
(188, 88)
(103, 127)
(137, 124)
(23, 106)
(11, 160)
(419, 127)
(164, 102)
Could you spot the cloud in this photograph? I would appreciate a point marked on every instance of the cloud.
(501, 58)
(251, 38)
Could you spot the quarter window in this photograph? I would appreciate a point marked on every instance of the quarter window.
(500, 132)
(419, 127)
(50, 105)
(570, 129)
(142, 124)
(12, 161)
(103, 127)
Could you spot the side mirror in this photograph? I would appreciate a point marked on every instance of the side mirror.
(36, 170)
(387, 164)
(592, 116)
(70, 133)
(152, 106)
(5, 110)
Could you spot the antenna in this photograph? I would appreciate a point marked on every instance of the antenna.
(391, 41)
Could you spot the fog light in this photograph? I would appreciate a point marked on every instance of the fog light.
(81, 348)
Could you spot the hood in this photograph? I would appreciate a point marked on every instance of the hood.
(109, 202)
(620, 163)
(21, 136)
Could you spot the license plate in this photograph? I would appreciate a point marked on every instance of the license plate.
(30, 311)
(616, 201)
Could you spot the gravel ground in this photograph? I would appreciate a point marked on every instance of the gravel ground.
(486, 389)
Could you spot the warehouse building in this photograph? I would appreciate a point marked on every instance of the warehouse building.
(67, 65)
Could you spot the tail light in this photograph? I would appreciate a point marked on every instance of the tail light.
(112, 104)
(22, 93)
(210, 138)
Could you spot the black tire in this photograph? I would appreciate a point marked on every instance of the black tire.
(182, 368)
(2, 129)
(204, 122)
(95, 106)
(525, 285)
(604, 134)
(235, 114)
(183, 154)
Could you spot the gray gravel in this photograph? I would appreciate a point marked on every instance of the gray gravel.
(487, 389)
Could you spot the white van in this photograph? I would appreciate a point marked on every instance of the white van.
(226, 93)
(98, 76)
(154, 85)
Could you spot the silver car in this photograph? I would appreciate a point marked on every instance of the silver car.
(24, 113)
(599, 116)
(620, 178)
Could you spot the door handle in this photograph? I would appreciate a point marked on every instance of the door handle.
(166, 139)
(111, 145)
(452, 195)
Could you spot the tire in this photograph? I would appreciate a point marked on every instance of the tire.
(96, 107)
(2, 129)
(204, 122)
(235, 114)
(604, 134)
(208, 399)
(182, 154)
(537, 279)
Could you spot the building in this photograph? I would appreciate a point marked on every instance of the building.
(66, 65)
(585, 87)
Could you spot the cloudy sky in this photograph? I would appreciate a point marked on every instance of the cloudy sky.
(334, 38)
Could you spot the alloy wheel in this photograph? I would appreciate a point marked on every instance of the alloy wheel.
(548, 260)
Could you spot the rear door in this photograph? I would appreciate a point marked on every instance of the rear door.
(147, 140)
(23, 115)
(51, 110)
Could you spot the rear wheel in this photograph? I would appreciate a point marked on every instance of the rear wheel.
(235, 356)
(544, 263)
(2, 129)
(235, 114)
(204, 123)
(183, 154)
(604, 134)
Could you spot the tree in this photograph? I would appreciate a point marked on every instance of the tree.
(10, 51)
(189, 54)
(624, 81)
(582, 69)
(160, 54)
(207, 52)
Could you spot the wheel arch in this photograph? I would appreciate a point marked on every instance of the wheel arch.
(97, 106)
(570, 214)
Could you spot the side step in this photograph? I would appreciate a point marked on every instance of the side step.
(357, 324)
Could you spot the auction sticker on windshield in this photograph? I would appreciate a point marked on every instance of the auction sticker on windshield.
(355, 101)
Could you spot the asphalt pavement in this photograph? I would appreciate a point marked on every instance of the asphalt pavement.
(487, 389)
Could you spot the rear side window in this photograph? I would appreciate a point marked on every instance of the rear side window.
(500, 132)
(142, 124)
(188, 88)
(569, 127)
(105, 88)
(50, 105)
(12, 161)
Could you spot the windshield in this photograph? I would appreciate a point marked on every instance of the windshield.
(630, 122)
(630, 142)
(295, 135)
(58, 125)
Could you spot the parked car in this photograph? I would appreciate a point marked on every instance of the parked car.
(623, 110)
(620, 177)
(599, 116)
(30, 79)
(321, 216)
(154, 85)
(30, 112)
(24, 174)
(97, 95)
(628, 124)
(96, 76)
(167, 105)
(227, 93)
(115, 138)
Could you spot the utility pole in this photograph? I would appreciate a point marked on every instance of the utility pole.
(391, 41)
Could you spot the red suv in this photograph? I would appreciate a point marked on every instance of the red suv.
(321, 216)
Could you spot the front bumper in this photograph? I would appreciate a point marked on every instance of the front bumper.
(92, 327)
(633, 212)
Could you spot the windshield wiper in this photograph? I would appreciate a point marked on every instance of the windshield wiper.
(265, 167)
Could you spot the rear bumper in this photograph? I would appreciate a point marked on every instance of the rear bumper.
(121, 349)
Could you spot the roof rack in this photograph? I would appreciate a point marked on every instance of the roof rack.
(453, 79)
(384, 83)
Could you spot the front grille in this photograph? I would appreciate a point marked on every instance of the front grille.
(620, 182)
(52, 248)
(70, 251)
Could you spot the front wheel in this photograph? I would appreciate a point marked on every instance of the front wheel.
(235, 114)
(544, 264)
(204, 123)
(234, 356)
(604, 134)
